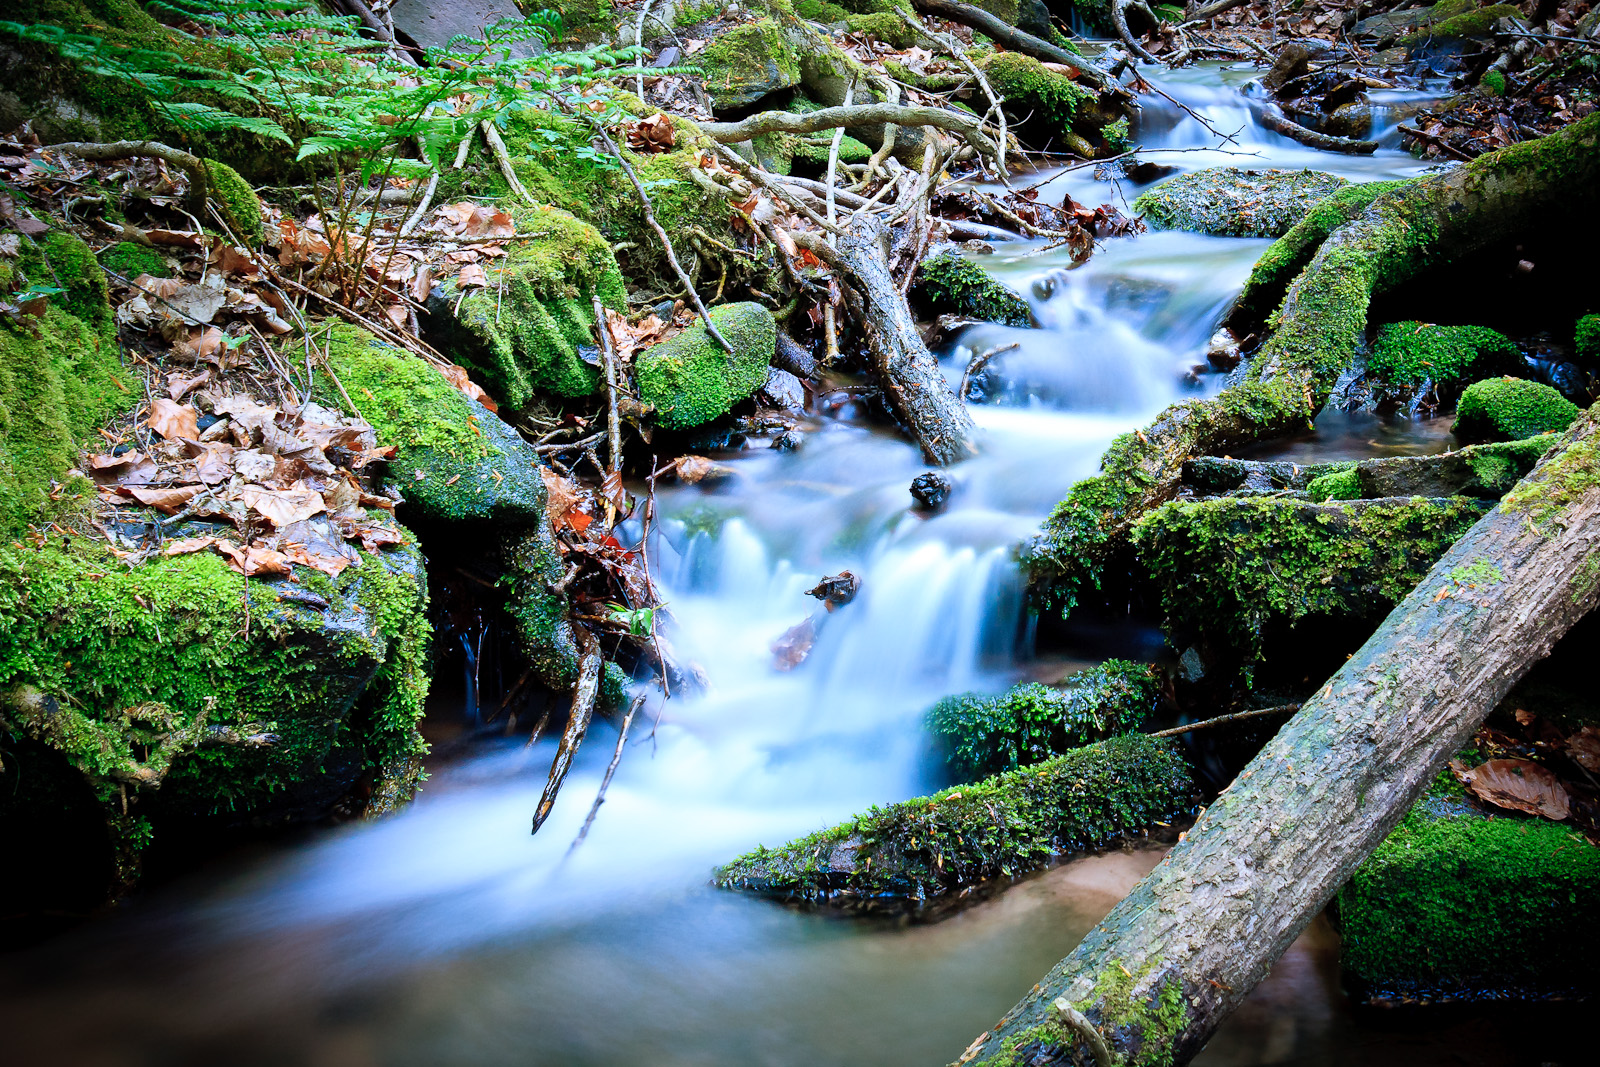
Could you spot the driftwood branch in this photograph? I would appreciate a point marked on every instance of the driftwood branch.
(191, 164)
(584, 692)
(845, 117)
(1119, 19)
(1210, 11)
(994, 28)
(1273, 118)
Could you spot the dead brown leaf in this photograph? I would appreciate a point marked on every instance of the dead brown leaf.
(458, 378)
(1584, 748)
(1520, 785)
(472, 277)
(169, 501)
(282, 506)
(653, 134)
(184, 546)
(697, 469)
(791, 649)
(172, 420)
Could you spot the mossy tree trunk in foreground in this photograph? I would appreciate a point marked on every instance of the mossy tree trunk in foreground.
(1326, 271)
(1175, 957)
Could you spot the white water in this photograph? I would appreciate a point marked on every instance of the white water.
(447, 935)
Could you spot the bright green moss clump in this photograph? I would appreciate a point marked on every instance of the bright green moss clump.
(1335, 485)
(690, 380)
(949, 284)
(1029, 88)
(821, 11)
(930, 847)
(1587, 339)
(982, 734)
(1235, 202)
(1511, 409)
(1228, 569)
(1467, 24)
(523, 333)
(745, 64)
(61, 374)
(238, 200)
(1454, 904)
(455, 459)
(1406, 354)
(131, 260)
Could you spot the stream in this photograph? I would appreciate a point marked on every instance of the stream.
(447, 935)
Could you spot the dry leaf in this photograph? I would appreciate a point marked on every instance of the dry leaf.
(169, 501)
(172, 420)
(791, 649)
(1520, 785)
(1584, 748)
(183, 546)
(458, 378)
(654, 134)
(472, 277)
(282, 506)
(697, 469)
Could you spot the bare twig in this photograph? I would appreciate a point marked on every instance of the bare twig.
(832, 118)
(584, 691)
(978, 362)
(611, 769)
(497, 146)
(1223, 720)
(1080, 1025)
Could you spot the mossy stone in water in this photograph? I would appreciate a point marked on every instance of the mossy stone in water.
(690, 379)
(1342, 484)
(1032, 90)
(1234, 202)
(951, 284)
(1587, 339)
(981, 734)
(1407, 354)
(1455, 904)
(455, 458)
(1509, 409)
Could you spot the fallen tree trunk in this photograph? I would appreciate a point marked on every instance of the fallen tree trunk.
(1352, 245)
(908, 373)
(1002, 32)
(1272, 117)
(1175, 957)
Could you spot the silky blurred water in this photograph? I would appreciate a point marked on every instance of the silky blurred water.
(446, 935)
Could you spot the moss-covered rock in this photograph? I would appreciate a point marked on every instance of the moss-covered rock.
(1487, 471)
(1458, 905)
(1407, 355)
(1229, 570)
(524, 333)
(750, 62)
(1510, 409)
(1469, 23)
(61, 373)
(213, 697)
(1341, 484)
(1225, 476)
(689, 379)
(920, 850)
(887, 27)
(981, 735)
(531, 567)
(1234, 202)
(1033, 92)
(131, 260)
(1586, 340)
(951, 284)
(455, 458)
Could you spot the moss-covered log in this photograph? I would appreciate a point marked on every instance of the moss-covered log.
(935, 847)
(1397, 234)
(1181, 951)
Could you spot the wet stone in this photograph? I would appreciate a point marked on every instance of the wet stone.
(931, 490)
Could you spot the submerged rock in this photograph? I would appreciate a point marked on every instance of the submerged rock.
(1233, 202)
(1511, 409)
(981, 735)
(903, 856)
(455, 458)
(931, 489)
(690, 380)
(1456, 905)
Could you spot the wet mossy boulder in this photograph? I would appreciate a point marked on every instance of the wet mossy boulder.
(1468, 23)
(1406, 356)
(690, 379)
(61, 373)
(1034, 93)
(1586, 339)
(455, 459)
(1230, 571)
(237, 200)
(1510, 409)
(905, 855)
(1456, 904)
(526, 332)
(210, 698)
(745, 64)
(984, 734)
(1235, 202)
(1340, 484)
(531, 566)
(951, 284)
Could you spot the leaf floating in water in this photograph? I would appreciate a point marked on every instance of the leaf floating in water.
(791, 650)
(1518, 784)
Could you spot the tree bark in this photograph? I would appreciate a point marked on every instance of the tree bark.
(912, 384)
(1174, 958)
(852, 116)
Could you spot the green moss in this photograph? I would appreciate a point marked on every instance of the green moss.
(131, 260)
(238, 201)
(950, 284)
(1570, 473)
(933, 846)
(1117, 135)
(1479, 572)
(1459, 905)
(814, 148)
(1586, 341)
(1228, 569)
(176, 648)
(1499, 466)
(749, 62)
(821, 11)
(1335, 485)
(576, 14)
(1511, 408)
(455, 459)
(1407, 354)
(1476, 23)
(981, 735)
(532, 566)
(689, 379)
(1030, 89)
(61, 376)
(1493, 82)
(523, 333)
(1236, 202)
(886, 27)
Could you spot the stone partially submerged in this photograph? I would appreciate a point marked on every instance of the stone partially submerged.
(923, 850)
(690, 379)
(1235, 202)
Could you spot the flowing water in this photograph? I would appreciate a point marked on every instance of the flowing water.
(446, 935)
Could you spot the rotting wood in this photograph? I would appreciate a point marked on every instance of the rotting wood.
(584, 692)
